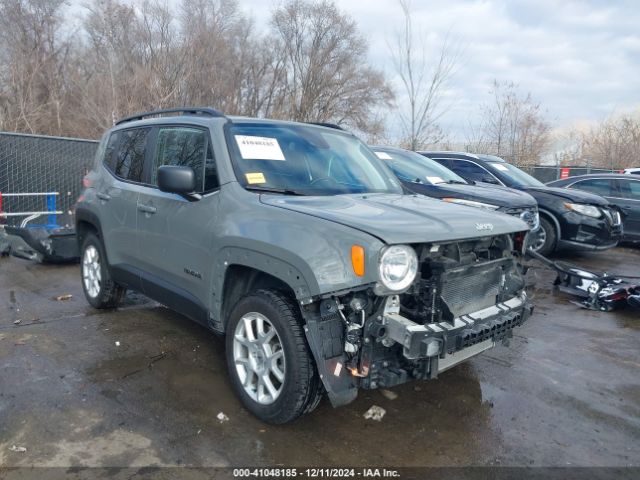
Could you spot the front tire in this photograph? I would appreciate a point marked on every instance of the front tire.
(546, 238)
(269, 361)
(99, 288)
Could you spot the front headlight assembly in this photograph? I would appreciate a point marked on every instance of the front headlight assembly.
(471, 203)
(588, 210)
(398, 267)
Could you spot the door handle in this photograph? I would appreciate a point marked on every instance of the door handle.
(103, 196)
(147, 208)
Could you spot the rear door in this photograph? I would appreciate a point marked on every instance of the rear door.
(175, 233)
(117, 195)
(630, 205)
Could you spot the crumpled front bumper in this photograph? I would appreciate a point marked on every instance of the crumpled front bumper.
(470, 334)
(580, 232)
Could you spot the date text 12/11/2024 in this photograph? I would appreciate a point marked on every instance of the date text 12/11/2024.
(315, 473)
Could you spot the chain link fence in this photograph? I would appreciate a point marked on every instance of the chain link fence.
(42, 174)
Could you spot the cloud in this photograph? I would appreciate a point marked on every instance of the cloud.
(580, 59)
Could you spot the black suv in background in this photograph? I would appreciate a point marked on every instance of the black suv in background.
(424, 176)
(569, 219)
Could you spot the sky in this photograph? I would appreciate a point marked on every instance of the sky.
(580, 59)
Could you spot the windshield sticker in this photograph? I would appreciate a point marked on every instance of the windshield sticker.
(499, 166)
(253, 178)
(259, 148)
(383, 156)
(435, 180)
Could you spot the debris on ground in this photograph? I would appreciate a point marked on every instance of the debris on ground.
(13, 448)
(117, 344)
(375, 413)
(388, 394)
(222, 417)
(17, 322)
(62, 298)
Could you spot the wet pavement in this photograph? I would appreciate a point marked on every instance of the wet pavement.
(142, 386)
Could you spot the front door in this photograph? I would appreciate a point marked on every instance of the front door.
(176, 233)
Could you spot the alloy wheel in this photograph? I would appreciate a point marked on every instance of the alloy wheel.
(259, 358)
(91, 272)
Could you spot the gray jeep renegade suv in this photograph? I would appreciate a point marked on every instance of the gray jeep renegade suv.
(298, 244)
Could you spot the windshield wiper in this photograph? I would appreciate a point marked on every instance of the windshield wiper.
(282, 191)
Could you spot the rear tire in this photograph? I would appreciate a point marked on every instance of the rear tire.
(99, 288)
(269, 361)
(546, 238)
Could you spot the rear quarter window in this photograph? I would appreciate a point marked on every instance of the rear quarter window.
(125, 153)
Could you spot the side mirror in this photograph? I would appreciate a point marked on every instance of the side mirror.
(176, 179)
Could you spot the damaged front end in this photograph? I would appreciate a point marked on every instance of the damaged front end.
(466, 297)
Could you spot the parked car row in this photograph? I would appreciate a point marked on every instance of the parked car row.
(569, 219)
(327, 267)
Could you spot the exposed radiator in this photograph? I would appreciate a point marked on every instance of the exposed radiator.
(471, 288)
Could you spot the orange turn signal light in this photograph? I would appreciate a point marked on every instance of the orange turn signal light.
(357, 260)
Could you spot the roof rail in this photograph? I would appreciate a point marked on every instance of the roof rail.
(327, 124)
(205, 111)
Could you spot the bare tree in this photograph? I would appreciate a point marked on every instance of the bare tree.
(423, 82)
(513, 126)
(614, 143)
(310, 66)
(327, 77)
(33, 87)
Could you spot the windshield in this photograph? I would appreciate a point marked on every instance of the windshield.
(305, 160)
(516, 175)
(413, 167)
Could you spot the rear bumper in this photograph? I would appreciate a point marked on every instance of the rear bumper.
(445, 344)
(42, 244)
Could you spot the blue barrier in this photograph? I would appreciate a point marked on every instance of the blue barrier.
(52, 219)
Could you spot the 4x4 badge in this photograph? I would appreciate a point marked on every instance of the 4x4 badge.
(484, 226)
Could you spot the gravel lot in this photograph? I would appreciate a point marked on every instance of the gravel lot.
(142, 386)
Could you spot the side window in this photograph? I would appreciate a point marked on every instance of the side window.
(445, 162)
(470, 170)
(127, 161)
(185, 146)
(111, 150)
(599, 186)
(630, 189)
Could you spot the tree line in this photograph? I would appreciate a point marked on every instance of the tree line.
(124, 58)
(76, 78)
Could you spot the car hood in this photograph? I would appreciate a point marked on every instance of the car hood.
(395, 218)
(570, 194)
(501, 196)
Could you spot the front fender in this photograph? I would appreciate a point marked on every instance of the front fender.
(291, 271)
